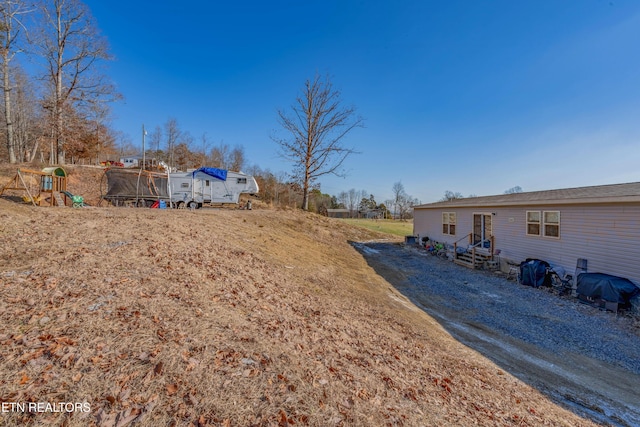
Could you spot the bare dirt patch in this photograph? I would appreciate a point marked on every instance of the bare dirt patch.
(228, 317)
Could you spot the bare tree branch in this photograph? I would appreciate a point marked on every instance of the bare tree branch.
(317, 125)
(72, 48)
(10, 26)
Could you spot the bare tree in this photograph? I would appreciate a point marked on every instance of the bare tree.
(402, 202)
(398, 195)
(127, 147)
(172, 134)
(224, 157)
(405, 204)
(99, 112)
(388, 203)
(72, 49)
(202, 149)
(236, 159)
(318, 125)
(26, 123)
(219, 156)
(11, 28)
(450, 195)
(514, 190)
(343, 197)
(184, 157)
(353, 197)
(155, 139)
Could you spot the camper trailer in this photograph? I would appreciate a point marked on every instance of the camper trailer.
(209, 186)
(183, 189)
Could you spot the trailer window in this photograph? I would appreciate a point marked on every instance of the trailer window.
(184, 185)
(206, 183)
(242, 180)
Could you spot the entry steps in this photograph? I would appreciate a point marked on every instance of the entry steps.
(474, 259)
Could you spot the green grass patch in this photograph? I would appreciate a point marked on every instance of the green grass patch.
(390, 226)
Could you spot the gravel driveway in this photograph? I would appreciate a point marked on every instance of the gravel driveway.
(583, 358)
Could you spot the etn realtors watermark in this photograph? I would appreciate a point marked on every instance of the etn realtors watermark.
(44, 407)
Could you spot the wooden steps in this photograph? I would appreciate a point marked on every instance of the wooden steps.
(475, 259)
(475, 256)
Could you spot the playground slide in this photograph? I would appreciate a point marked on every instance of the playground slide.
(71, 196)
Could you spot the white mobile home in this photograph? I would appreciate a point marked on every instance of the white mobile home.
(131, 161)
(600, 224)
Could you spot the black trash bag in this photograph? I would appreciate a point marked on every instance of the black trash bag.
(535, 272)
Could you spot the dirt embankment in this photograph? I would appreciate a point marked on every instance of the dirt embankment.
(227, 317)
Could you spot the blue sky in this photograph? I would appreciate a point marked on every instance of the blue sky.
(469, 96)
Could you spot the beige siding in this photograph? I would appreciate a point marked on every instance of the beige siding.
(608, 236)
(429, 223)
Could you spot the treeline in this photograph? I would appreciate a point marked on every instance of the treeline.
(55, 94)
(180, 150)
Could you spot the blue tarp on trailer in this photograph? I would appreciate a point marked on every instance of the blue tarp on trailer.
(220, 174)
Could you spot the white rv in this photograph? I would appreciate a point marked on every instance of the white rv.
(209, 186)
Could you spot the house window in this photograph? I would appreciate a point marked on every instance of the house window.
(449, 223)
(545, 223)
(533, 223)
(207, 183)
(551, 223)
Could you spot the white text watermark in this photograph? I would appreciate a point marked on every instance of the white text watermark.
(44, 407)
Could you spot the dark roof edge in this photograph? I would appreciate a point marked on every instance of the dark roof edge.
(590, 201)
(600, 194)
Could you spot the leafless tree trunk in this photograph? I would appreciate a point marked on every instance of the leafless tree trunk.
(202, 151)
(6, 85)
(155, 138)
(27, 123)
(398, 195)
(72, 49)
(317, 128)
(342, 199)
(11, 26)
(172, 134)
(99, 112)
(352, 196)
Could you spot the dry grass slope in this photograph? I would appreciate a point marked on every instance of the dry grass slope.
(231, 318)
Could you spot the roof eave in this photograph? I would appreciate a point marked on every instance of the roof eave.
(577, 201)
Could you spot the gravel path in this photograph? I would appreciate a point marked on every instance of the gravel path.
(582, 357)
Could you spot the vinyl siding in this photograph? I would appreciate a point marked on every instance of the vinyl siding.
(608, 236)
(429, 224)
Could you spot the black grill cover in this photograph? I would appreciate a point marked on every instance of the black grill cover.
(534, 272)
(607, 287)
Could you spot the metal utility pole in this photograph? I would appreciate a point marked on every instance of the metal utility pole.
(144, 157)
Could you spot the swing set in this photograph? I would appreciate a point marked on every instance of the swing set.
(47, 187)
